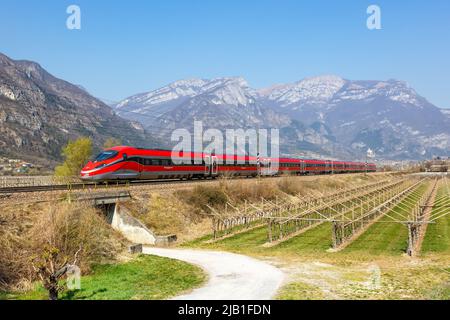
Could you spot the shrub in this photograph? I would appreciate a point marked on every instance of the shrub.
(204, 196)
(69, 227)
(76, 154)
(26, 233)
(291, 186)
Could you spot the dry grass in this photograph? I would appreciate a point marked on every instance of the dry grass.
(26, 230)
(166, 214)
(233, 191)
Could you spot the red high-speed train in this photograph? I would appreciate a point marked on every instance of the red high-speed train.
(128, 163)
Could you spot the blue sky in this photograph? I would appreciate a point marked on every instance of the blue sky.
(127, 47)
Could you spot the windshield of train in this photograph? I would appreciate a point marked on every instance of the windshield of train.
(105, 155)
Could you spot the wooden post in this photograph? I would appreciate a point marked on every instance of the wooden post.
(410, 250)
(334, 234)
(270, 230)
(214, 228)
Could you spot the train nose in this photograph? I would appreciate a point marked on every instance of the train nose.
(84, 174)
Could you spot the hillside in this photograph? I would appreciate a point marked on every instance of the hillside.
(39, 113)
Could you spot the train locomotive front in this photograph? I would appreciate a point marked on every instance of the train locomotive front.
(111, 164)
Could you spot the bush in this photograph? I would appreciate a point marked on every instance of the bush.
(291, 186)
(63, 226)
(69, 227)
(13, 253)
(76, 154)
(202, 197)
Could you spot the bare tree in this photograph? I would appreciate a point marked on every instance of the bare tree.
(51, 268)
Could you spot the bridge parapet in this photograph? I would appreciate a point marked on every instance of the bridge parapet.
(102, 198)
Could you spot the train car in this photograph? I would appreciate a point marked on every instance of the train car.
(128, 163)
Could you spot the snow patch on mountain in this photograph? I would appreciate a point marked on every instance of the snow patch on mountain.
(394, 90)
(230, 91)
(317, 90)
(445, 112)
(174, 91)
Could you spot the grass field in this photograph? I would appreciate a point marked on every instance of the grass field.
(437, 237)
(144, 278)
(387, 236)
(381, 238)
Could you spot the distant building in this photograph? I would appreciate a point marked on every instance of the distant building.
(15, 166)
(438, 164)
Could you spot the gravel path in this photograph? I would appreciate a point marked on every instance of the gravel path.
(231, 276)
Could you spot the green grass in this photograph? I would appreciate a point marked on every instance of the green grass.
(144, 278)
(243, 242)
(437, 237)
(386, 236)
(316, 241)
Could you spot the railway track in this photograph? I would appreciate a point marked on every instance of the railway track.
(93, 186)
(84, 186)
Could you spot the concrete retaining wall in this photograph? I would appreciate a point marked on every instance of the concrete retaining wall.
(131, 228)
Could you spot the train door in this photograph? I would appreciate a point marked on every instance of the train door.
(141, 167)
(207, 160)
(214, 166)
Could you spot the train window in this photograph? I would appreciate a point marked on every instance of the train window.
(156, 162)
(165, 162)
(105, 155)
(147, 162)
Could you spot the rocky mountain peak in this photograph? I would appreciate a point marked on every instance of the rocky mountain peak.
(4, 60)
(229, 91)
(394, 90)
(315, 90)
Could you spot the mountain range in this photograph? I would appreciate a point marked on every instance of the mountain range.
(321, 116)
(326, 115)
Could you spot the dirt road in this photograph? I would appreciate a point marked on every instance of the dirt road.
(231, 276)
